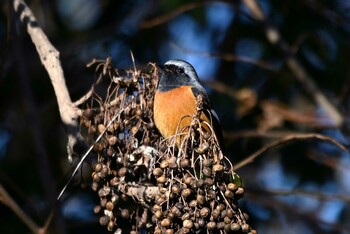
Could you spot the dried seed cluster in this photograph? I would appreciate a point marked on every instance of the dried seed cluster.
(147, 182)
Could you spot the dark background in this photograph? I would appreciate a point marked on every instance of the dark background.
(301, 187)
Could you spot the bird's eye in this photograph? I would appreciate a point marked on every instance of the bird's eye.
(180, 70)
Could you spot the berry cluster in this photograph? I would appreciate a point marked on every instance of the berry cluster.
(146, 182)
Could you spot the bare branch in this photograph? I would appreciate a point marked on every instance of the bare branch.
(231, 58)
(275, 38)
(313, 194)
(283, 141)
(168, 16)
(49, 57)
(7, 200)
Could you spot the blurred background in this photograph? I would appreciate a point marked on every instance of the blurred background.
(271, 77)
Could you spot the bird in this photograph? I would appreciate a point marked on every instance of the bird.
(175, 101)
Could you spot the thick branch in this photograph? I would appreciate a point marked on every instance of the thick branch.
(49, 57)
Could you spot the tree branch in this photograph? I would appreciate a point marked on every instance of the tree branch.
(49, 57)
(283, 141)
(7, 200)
(275, 38)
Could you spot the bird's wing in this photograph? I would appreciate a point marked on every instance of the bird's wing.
(210, 114)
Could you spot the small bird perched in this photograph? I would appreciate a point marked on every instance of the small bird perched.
(175, 100)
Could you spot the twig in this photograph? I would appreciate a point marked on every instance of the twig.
(294, 192)
(283, 141)
(49, 57)
(230, 58)
(168, 16)
(275, 38)
(88, 152)
(7, 200)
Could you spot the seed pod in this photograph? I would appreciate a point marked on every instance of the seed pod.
(205, 211)
(165, 222)
(229, 194)
(180, 206)
(151, 126)
(239, 191)
(122, 172)
(220, 207)
(134, 130)
(211, 226)
(192, 204)
(186, 192)
(158, 214)
(110, 225)
(185, 216)
(211, 194)
(200, 199)
(207, 171)
(156, 208)
(157, 172)
(164, 164)
(235, 227)
(160, 200)
(103, 202)
(227, 228)
(98, 147)
(232, 187)
(114, 181)
(110, 206)
(227, 220)
(175, 189)
(245, 227)
(169, 231)
(229, 213)
(146, 141)
(95, 177)
(104, 191)
(157, 230)
(209, 181)
(187, 224)
(208, 162)
(223, 214)
(125, 213)
(202, 148)
(98, 167)
(124, 197)
(100, 128)
(176, 211)
(104, 220)
(201, 222)
(112, 140)
(94, 186)
(162, 179)
(172, 165)
(220, 225)
(171, 215)
(200, 182)
(218, 168)
(215, 213)
(115, 198)
(184, 163)
(110, 152)
(139, 112)
(104, 171)
(97, 209)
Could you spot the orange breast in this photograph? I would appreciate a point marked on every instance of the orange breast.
(174, 109)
